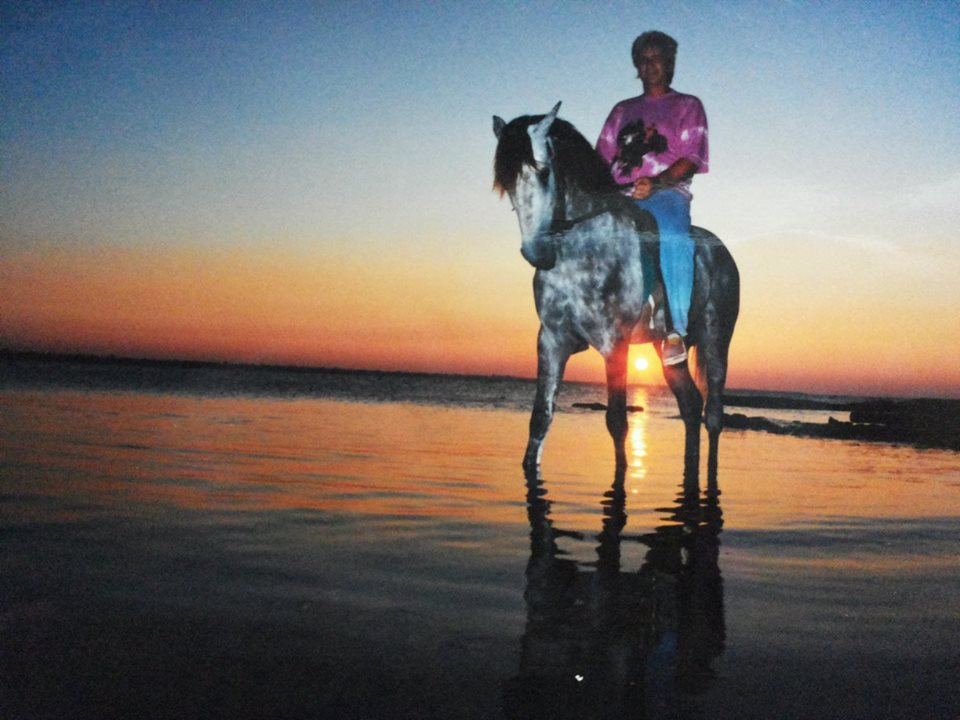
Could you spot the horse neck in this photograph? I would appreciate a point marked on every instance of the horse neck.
(575, 204)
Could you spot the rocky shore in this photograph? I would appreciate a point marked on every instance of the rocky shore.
(931, 423)
(924, 422)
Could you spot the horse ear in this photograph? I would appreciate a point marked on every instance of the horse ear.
(538, 135)
(498, 125)
(552, 115)
(543, 127)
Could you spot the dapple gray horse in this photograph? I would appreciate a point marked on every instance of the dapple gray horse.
(596, 256)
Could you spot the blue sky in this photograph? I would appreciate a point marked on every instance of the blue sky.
(335, 129)
(309, 110)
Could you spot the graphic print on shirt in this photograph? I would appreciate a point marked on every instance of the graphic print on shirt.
(634, 141)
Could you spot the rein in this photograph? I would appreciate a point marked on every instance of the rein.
(562, 224)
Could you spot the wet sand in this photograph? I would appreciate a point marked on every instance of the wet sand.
(186, 556)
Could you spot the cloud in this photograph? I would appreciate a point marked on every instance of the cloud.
(871, 243)
(916, 227)
(942, 193)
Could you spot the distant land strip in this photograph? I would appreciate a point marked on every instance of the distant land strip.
(9, 356)
(926, 422)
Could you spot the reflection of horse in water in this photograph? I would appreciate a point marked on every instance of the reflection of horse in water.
(602, 642)
(597, 260)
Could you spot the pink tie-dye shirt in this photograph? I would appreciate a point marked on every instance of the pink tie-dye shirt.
(644, 136)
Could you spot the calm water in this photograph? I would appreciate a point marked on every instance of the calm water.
(224, 543)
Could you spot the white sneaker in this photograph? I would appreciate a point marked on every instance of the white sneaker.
(673, 350)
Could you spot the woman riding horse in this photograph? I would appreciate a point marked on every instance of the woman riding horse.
(654, 145)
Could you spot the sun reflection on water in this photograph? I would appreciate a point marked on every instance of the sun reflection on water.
(637, 448)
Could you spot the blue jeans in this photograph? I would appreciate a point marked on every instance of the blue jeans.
(671, 210)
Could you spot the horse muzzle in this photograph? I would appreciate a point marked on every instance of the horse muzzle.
(541, 254)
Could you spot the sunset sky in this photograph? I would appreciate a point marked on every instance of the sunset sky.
(310, 182)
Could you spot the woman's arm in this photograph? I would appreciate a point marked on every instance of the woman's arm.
(681, 170)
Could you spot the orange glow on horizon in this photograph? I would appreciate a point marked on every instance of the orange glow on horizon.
(442, 315)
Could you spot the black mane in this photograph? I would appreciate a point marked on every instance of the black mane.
(575, 160)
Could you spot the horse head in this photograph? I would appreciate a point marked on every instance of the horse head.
(524, 171)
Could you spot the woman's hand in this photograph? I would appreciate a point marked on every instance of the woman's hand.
(643, 188)
(681, 170)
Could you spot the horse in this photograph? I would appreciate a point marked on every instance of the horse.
(597, 281)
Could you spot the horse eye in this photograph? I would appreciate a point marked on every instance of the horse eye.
(543, 174)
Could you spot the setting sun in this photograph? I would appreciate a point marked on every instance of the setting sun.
(643, 360)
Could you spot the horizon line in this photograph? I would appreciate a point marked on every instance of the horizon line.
(7, 354)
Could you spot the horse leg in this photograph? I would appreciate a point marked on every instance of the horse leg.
(714, 359)
(617, 401)
(690, 402)
(551, 359)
